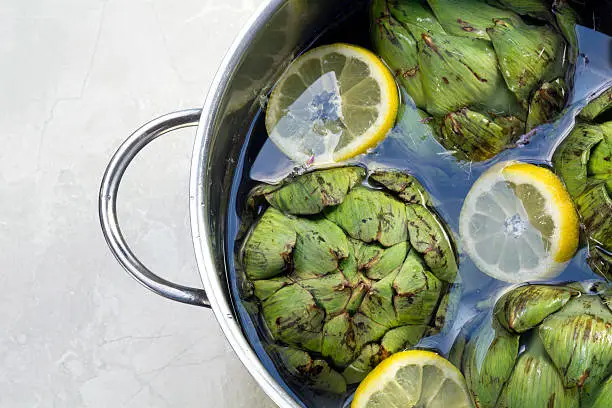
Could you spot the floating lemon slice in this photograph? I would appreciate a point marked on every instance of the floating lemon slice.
(410, 379)
(332, 103)
(518, 223)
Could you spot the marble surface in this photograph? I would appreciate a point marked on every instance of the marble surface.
(76, 77)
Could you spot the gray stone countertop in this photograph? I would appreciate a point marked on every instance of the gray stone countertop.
(76, 77)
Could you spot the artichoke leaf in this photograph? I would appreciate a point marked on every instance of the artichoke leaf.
(258, 194)
(265, 288)
(599, 166)
(363, 364)
(457, 352)
(370, 216)
(512, 125)
(293, 317)
(597, 106)
(315, 373)
(475, 137)
(527, 55)
(310, 193)
(255, 199)
(567, 19)
(416, 292)
(366, 330)
(572, 156)
(459, 72)
(586, 324)
(606, 297)
(379, 10)
(319, 246)
(604, 396)
(468, 18)
(405, 186)
(339, 340)
(348, 266)
(595, 208)
(394, 43)
(357, 295)
(429, 238)
(331, 292)
(267, 252)
(525, 307)
(376, 262)
(441, 314)
(535, 382)
(488, 360)
(378, 304)
(401, 338)
(600, 262)
(546, 103)
(414, 13)
(534, 8)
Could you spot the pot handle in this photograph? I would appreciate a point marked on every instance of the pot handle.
(108, 207)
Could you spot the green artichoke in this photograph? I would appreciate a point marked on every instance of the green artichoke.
(584, 162)
(479, 70)
(598, 106)
(543, 346)
(345, 275)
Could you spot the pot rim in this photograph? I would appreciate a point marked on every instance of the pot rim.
(197, 207)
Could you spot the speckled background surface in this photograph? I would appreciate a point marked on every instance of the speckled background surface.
(76, 78)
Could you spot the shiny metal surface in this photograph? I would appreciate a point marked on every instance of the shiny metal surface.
(108, 207)
(267, 44)
(216, 148)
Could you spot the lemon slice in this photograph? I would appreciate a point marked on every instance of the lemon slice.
(518, 223)
(413, 378)
(332, 103)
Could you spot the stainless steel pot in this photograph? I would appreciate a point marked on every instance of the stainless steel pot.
(270, 40)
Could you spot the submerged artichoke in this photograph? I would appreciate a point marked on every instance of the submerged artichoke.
(346, 275)
(584, 162)
(544, 346)
(482, 72)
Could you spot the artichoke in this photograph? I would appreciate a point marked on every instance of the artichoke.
(584, 162)
(345, 275)
(481, 71)
(543, 346)
(598, 106)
